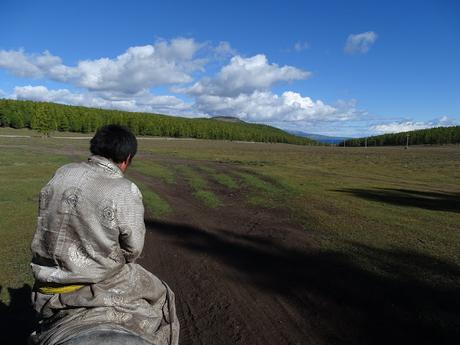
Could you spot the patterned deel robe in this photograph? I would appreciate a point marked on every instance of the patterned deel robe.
(90, 230)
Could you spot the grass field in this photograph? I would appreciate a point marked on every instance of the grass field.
(395, 213)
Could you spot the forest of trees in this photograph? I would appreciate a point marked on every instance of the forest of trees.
(429, 136)
(49, 117)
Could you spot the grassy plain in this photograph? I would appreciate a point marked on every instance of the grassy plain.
(370, 204)
(375, 196)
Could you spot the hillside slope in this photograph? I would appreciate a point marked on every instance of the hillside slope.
(47, 117)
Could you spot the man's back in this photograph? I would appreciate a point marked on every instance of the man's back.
(90, 230)
(83, 212)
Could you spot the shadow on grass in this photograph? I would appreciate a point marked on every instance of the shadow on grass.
(406, 197)
(17, 319)
(409, 298)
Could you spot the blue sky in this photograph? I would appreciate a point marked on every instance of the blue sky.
(347, 68)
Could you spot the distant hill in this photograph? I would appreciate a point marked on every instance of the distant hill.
(226, 118)
(318, 137)
(428, 136)
(47, 117)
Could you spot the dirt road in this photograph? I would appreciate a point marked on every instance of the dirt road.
(242, 274)
(222, 265)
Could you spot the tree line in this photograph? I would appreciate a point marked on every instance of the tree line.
(429, 136)
(48, 117)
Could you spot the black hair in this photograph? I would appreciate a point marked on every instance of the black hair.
(114, 142)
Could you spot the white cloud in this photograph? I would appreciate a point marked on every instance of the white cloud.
(141, 102)
(140, 68)
(299, 46)
(136, 69)
(242, 87)
(402, 126)
(405, 126)
(360, 43)
(445, 121)
(34, 65)
(265, 106)
(245, 75)
(18, 64)
(224, 49)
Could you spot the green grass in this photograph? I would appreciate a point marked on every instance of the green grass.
(257, 183)
(221, 178)
(150, 168)
(226, 180)
(22, 175)
(344, 221)
(262, 192)
(21, 131)
(152, 201)
(193, 178)
(208, 198)
(200, 186)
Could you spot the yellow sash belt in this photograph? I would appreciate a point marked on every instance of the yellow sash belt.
(50, 288)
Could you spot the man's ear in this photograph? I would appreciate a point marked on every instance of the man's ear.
(128, 160)
(124, 165)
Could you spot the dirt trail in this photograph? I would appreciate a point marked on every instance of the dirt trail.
(211, 258)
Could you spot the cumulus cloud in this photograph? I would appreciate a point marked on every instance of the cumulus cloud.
(244, 76)
(34, 65)
(360, 43)
(139, 68)
(405, 126)
(242, 87)
(141, 102)
(402, 126)
(267, 107)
